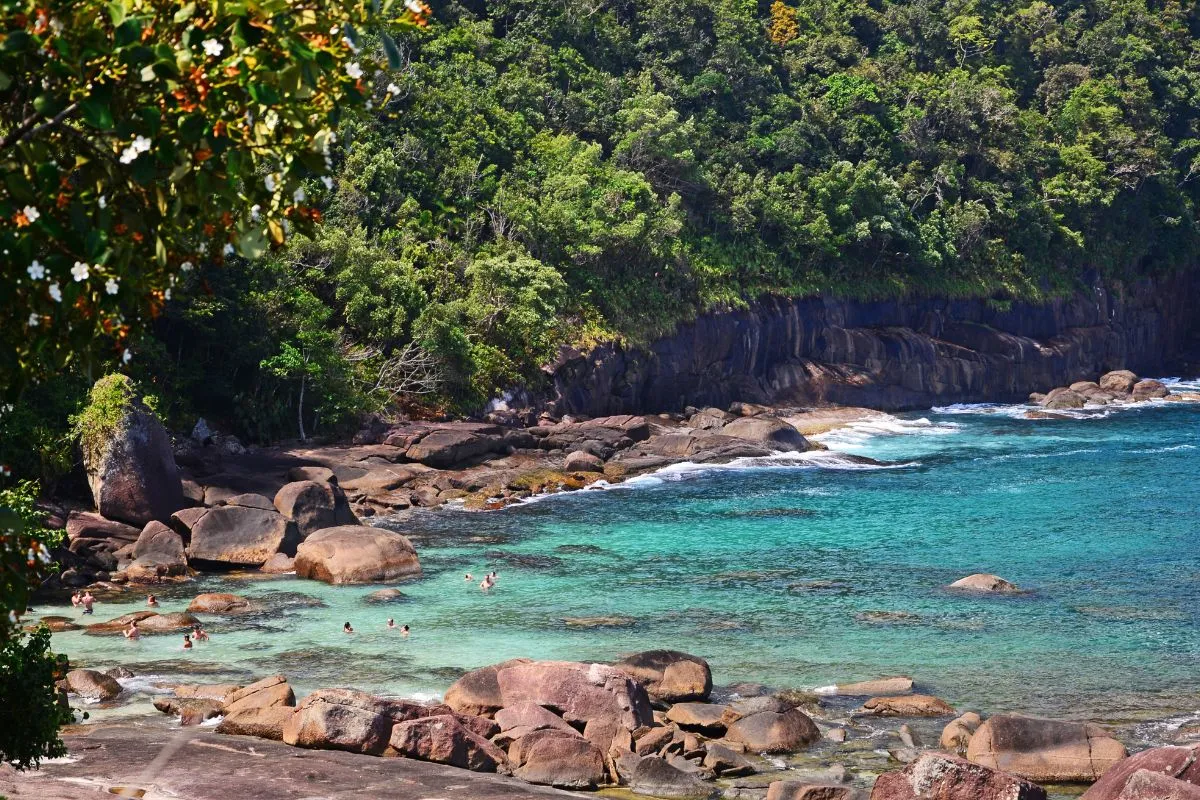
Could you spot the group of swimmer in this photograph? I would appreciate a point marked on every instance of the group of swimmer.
(391, 626)
(197, 634)
(84, 601)
(488, 581)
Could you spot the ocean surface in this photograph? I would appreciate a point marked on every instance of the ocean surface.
(793, 572)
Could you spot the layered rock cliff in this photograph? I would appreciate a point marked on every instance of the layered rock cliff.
(893, 355)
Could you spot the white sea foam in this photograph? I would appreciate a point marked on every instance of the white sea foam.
(145, 684)
(1021, 456)
(857, 433)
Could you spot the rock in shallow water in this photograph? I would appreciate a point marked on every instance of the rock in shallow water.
(92, 685)
(771, 732)
(943, 777)
(916, 705)
(1045, 750)
(356, 554)
(984, 582)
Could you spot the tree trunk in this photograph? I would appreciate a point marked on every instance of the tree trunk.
(300, 406)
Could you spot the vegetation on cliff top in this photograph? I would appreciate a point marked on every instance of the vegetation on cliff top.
(554, 173)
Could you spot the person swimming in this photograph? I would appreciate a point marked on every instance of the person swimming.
(199, 634)
(86, 601)
(391, 623)
(347, 628)
(486, 583)
(75, 601)
(132, 631)
(468, 577)
(404, 630)
(151, 601)
(187, 642)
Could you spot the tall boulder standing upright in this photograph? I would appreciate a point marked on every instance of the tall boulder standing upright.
(127, 453)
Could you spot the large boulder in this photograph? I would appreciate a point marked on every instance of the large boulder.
(983, 582)
(171, 622)
(314, 506)
(128, 456)
(237, 535)
(89, 525)
(669, 675)
(773, 432)
(443, 449)
(937, 776)
(802, 790)
(478, 691)
(340, 719)
(118, 624)
(1119, 381)
(1147, 785)
(578, 692)
(567, 761)
(1147, 389)
(773, 732)
(356, 554)
(1063, 397)
(1176, 763)
(655, 777)
(92, 685)
(583, 461)
(525, 718)
(219, 603)
(707, 718)
(444, 740)
(913, 705)
(1045, 750)
(958, 732)
(158, 545)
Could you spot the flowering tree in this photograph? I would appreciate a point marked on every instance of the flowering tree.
(141, 138)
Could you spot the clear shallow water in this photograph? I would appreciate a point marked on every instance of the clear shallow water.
(776, 572)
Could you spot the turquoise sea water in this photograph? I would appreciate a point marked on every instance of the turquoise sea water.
(792, 572)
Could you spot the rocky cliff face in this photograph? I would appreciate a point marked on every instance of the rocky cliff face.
(889, 355)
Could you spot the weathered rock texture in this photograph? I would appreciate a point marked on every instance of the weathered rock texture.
(937, 776)
(356, 554)
(134, 478)
(886, 355)
(1045, 750)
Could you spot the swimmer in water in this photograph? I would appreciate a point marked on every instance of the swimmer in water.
(468, 577)
(187, 642)
(347, 629)
(132, 631)
(151, 601)
(391, 623)
(404, 630)
(86, 601)
(75, 601)
(486, 583)
(199, 634)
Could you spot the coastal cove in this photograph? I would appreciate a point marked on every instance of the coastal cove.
(796, 571)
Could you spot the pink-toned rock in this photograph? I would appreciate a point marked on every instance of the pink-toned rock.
(264, 723)
(219, 603)
(958, 732)
(799, 790)
(706, 717)
(443, 739)
(314, 506)
(279, 564)
(236, 535)
(983, 582)
(1120, 381)
(339, 719)
(478, 691)
(1181, 763)
(529, 717)
(356, 554)
(556, 759)
(669, 676)
(1045, 750)
(158, 545)
(578, 692)
(913, 705)
(269, 692)
(879, 687)
(90, 525)
(772, 732)
(1149, 389)
(937, 776)
(1147, 785)
(92, 685)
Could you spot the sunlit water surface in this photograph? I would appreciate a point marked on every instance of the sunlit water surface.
(790, 572)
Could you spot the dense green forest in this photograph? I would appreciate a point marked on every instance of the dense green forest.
(541, 173)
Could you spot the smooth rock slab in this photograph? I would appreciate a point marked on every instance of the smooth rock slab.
(655, 777)
(219, 603)
(578, 692)
(879, 687)
(913, 705)
(264, 723)
(984, 582)
(568, 762)
(92, 685)
(237, 536)
(1045, 750)
(800, 790)
(937, 776)
(705, 717)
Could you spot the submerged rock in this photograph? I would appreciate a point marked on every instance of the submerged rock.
(984, 582)
(219, 603)
(879, 687)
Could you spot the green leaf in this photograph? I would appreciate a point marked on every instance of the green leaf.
(393, 52)
(117, 12)
(97, 113)
(5, 80)
(160, 251)
(252, 243)
(185, 13)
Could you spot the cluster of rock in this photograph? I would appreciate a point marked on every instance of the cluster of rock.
(648, 723)
(1120, 386)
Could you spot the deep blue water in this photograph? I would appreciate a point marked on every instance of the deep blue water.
(776, 572)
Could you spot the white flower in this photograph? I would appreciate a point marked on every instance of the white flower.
(328, 181)
(80, 271)
(55, 292)
(126, 356)
(212, 47)
(36, 270)
(353, 47)
(202, 248)
(354, 70)
(414, 6)
(167, 294)
(103, 201)
(34, 320)
(254, 209)
(31, 213)
(55, 25)
(185, 266)
(227, 249)
(111, 286)
(298, 195)
(370, 104)
(138, 146)
(272, 119)
(393, 89)
(333, 31)
(270, 183)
